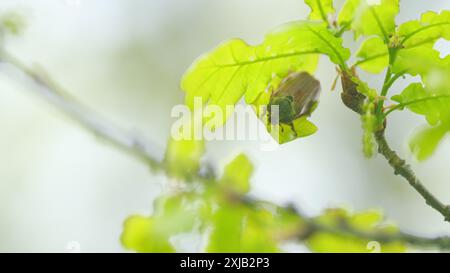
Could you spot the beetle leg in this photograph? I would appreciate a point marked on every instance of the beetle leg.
(291, 124)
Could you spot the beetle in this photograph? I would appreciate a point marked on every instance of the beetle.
(297, 95)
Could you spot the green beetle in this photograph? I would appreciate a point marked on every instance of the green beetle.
(296, 96)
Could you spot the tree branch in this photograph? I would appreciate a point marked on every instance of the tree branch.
(354, 102)
(441, 242)
(146, 151)
(344, 228)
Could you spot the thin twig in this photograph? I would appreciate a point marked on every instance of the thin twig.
(353, 102)
(100, 127)
(401, 168)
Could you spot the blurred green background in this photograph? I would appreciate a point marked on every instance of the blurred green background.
(124, 59)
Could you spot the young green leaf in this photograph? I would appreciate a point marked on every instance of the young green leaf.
(237, 174)
(226, 234)
(373, 55)
(235, 69)
(369, 222)
(348, 12)
(369, 18)
(239, 229)
(183, 157)
(420, 101)
(284, 133)
(258, 234)
(173, 215)
(427, 30)
(416, 39)
(426, 141)
(434, 105)
(419, 60)
(320, 9)
(140, 234)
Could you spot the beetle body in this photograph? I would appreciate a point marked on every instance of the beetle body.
(296, 96)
